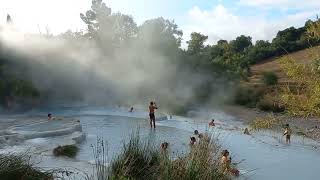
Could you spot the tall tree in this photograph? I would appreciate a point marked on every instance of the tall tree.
(196, 43)
(160, 34)
(241, 43)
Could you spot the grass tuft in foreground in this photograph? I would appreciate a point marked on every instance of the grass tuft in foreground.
(141, 159)
(18, 167)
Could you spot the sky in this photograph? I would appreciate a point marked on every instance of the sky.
(219, 19)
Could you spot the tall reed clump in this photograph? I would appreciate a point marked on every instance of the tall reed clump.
(202, 162)
(138, 160)
(18, 167)
(142, 160)
(100, 167)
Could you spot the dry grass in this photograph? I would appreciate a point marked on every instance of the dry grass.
(268, 122)
(304, 57)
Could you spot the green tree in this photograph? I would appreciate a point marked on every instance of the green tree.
(196, 43)
(125, 29)
(161, 35)
(241, 43)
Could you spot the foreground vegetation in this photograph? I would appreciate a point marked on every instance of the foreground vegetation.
(18, 167)
(140, 159)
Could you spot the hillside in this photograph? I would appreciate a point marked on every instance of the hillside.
(271, 64)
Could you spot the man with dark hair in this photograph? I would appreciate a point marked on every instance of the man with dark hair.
(152, 108)
(287, 133)
(50, 116)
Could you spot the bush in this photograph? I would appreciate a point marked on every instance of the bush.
(138, 160)
(267, 104)
(16, 167)
(68, 150)
(248, 96)
(143, 160)
(270, 78)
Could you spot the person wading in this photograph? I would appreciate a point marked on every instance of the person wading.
(152, 108)
(287, 133)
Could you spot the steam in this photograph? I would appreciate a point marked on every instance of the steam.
(77, 70)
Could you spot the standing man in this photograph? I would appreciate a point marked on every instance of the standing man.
(287, 133)
(152, 108)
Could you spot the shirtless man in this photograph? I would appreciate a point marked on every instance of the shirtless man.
(287, 133)
(152, 108)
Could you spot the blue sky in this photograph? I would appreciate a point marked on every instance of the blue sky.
(220, 19)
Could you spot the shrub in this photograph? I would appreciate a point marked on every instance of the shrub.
(143, 160)
(270, 78)
(248, 96)
(267, 122)
(16, 167)
(138, 160)
(267, 104)
(68, 150)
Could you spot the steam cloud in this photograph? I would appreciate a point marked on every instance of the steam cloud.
(79, 71)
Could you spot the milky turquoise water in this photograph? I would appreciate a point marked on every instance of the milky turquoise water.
(263, 156)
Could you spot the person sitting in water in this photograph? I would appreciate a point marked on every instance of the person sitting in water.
(192, 141)
(196, 132)
(212, 123)
(50, 117)
(287, 133)
(131, 109)
(226, 164)
(246, 131)
(164, 146)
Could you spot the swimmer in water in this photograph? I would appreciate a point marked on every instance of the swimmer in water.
(50, 117)
(212, 123)
(196, 132)
(192, 141)
(164, 146)
(131, 109)
(246, 131)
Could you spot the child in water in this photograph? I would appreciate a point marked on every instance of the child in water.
(164, 146)
(211, 123)
(192, 141)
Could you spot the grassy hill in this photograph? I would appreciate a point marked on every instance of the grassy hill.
(271, 64)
